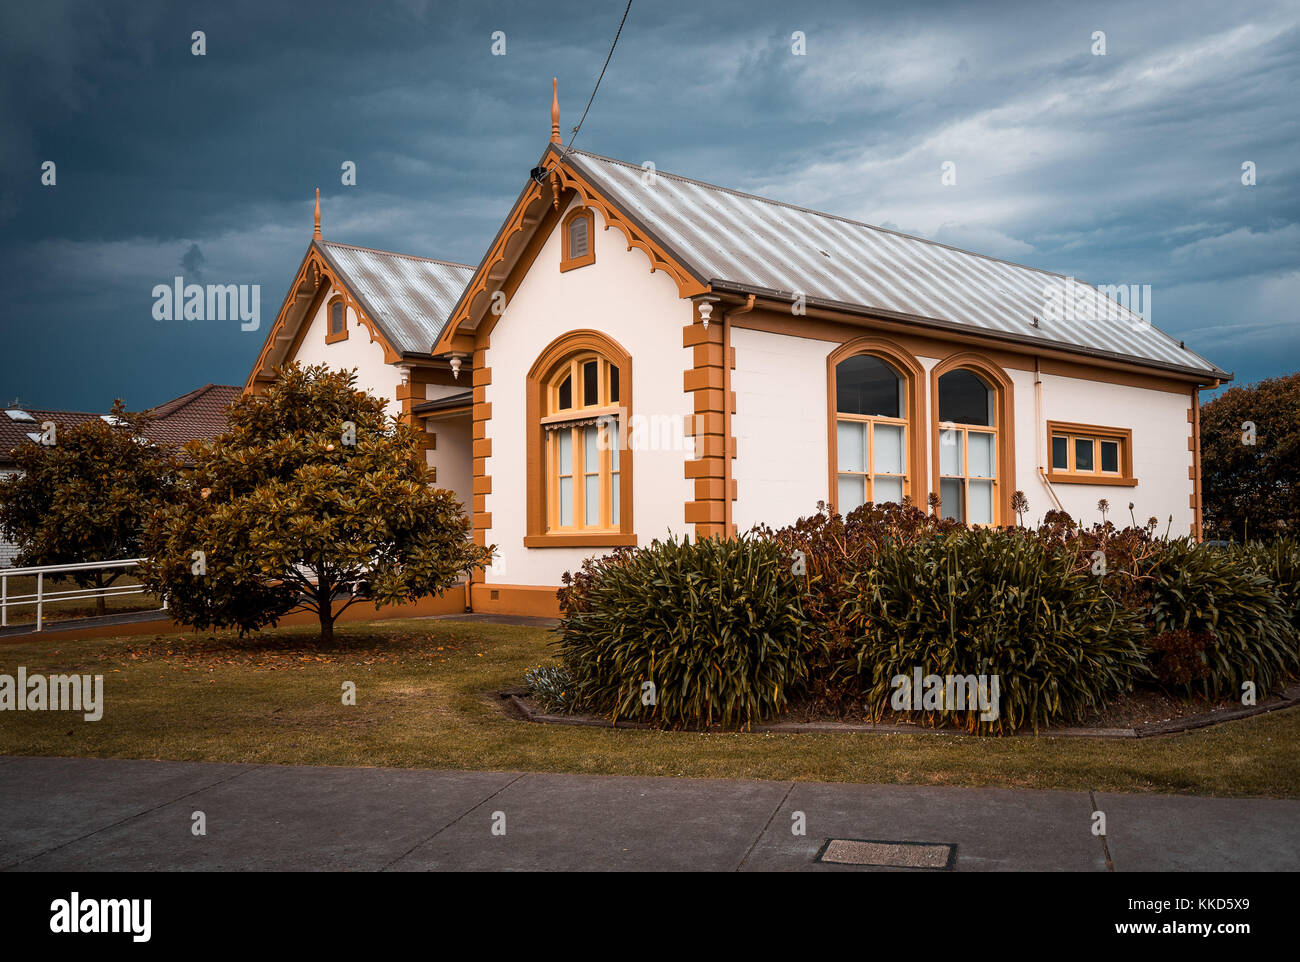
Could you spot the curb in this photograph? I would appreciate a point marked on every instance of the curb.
(1289, 699)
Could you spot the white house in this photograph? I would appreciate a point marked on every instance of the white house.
(379, 312)
(650, 354)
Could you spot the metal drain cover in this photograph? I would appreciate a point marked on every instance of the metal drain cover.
(862, 851)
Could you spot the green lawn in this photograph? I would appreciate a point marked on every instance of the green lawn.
(424, 700)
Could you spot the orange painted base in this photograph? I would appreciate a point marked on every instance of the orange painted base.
(537, 601)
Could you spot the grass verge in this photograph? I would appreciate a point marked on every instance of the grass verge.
(425, 699)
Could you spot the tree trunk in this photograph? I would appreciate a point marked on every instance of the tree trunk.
(100, 607)
(325, 606)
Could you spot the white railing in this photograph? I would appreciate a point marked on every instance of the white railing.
(79, 593)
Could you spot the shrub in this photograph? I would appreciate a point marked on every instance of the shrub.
(1223, 592)
(311, 490)
(717, 626)
(1179, 658)
(1119, 556)
(1249, 482)
(1279, 561)
(551, 686)
(835, 549)
(985, 602)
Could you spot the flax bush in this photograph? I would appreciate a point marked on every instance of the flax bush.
(1224, 592)
(993, 602)
(715, 626)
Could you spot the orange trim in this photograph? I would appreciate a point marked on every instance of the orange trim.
(555, 111)
(332, 336)
(567, 261)
(314, 277)
(600, 539)
(1004, 485)
(1198, 531)
(914, 392)
(715, 447)
(533, 600)
(534, 214)
(1098, 433)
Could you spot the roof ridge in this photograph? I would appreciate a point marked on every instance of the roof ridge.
(413, 257)
(168, 408)
(822, 213)
(34, 410)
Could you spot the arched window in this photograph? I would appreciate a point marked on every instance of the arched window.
(578, 462)
(582, 445)
(974, 445)
(875, 394)
(578, 246)
(336, 321)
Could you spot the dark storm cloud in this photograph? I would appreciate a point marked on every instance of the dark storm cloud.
(1117, 169)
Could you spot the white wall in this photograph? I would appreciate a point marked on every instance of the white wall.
(619, 296)
(8, 551)
(780, 427)
(1160, 428)
(781, 465)
(453, 456)
(357, 351)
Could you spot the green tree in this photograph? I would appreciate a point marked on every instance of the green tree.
(312, 500)
(1250, 460)
(86, 496)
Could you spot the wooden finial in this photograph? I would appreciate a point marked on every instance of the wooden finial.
(555, 110)
(316, 232)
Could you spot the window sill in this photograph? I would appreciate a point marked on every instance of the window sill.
(335, 338)
(1104, 479)
(596, 539)
(575, 263)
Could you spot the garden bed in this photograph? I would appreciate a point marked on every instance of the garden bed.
(1139, 714)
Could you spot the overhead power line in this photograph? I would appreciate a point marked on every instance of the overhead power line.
(602, 75)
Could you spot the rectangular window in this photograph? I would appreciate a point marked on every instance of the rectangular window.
(1083, 454)
(1060, 452)
(968, 472)
(1090, 454)
(870, 456)
(1109, 457)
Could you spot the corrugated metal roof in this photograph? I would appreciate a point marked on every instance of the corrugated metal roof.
(408, 297)
(737, 240)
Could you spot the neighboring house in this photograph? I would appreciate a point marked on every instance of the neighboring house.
(720, 360)
(21, 425)
(199, 415)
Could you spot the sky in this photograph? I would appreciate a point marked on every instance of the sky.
(1122, 167)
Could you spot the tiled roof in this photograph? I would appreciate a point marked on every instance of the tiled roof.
(14, 431)
(408, 297)
(747, 244)
(199, 415)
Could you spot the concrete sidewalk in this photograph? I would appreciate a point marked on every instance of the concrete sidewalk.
(116, 814)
